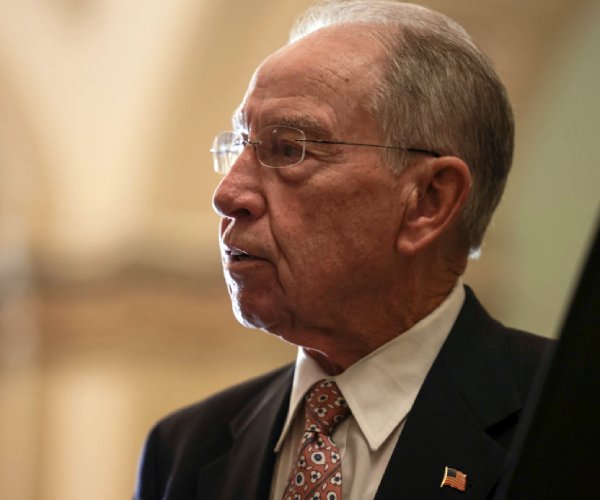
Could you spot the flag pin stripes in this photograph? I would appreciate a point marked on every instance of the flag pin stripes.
(455, 479)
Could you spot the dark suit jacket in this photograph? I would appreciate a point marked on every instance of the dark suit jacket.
(464, 417)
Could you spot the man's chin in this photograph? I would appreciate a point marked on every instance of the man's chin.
(253, 317)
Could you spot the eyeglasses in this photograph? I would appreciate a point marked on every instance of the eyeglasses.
(277, 146)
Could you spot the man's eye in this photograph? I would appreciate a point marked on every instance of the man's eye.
(291, 150)
(286, 148)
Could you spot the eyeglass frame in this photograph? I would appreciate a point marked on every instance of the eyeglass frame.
(246, 142)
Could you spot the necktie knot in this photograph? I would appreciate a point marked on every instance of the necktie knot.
(324, 407)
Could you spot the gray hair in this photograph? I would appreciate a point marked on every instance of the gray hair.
(439, 92)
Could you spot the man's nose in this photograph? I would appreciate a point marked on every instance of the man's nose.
(239, 194)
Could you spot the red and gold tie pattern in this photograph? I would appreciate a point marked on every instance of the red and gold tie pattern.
(317, 473)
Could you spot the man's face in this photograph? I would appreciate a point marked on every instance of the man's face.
(318, 239)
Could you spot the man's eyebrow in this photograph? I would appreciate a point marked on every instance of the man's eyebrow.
(312, 127)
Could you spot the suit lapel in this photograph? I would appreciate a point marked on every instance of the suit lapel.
(467, 390)
(245, 470)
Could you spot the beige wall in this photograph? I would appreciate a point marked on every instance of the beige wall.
(112, 309)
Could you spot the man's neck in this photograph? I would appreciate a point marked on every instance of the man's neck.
(335, 357)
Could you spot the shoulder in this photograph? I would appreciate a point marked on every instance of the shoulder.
(503, 358)
(524, 350)
(505, 341)
(198, 434)
(220, 408)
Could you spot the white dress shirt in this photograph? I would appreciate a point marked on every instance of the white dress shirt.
(380, 390)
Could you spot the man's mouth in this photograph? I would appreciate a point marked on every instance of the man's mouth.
(238, 255)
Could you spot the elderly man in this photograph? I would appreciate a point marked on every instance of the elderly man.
(367, 158)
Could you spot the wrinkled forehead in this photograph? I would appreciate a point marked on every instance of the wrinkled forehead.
(325, 77)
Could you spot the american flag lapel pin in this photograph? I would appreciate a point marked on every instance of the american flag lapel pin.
(455, 479)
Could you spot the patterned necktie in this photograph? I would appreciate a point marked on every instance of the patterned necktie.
(317, 472)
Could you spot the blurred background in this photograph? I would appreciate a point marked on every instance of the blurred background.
(112, 307)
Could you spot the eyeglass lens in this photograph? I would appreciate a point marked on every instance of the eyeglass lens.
(227, 146)
(276, 147)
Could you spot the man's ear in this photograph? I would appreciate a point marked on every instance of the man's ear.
(435, 204)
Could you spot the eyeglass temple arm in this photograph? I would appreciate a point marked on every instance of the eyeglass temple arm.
(435, 154)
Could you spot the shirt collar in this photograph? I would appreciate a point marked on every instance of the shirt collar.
(307, 373)
(381, 387)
